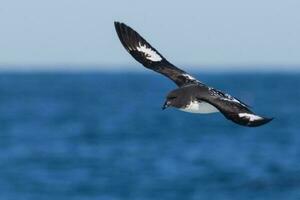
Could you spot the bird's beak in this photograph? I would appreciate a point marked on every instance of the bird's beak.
(166, 105)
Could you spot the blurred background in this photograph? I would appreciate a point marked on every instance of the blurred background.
(81, 119)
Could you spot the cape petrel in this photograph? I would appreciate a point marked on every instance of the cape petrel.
(191, 95)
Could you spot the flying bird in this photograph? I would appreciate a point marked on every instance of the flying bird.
(191, 95)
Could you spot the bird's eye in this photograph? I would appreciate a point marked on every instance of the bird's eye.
(172, 97)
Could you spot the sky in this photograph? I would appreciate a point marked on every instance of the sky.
(79, 34)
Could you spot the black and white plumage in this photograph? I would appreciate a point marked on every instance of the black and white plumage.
(191, 94)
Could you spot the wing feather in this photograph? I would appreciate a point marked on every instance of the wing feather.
(233, 109)
(148, 56)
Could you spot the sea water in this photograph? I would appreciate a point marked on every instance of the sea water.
(104, 136)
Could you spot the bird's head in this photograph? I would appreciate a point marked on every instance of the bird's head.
(172, 100)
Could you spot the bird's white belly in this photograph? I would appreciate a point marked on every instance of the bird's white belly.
(200, 107)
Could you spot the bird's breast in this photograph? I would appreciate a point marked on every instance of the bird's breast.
(199, 107)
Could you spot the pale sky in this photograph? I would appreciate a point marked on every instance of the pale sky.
(197, 33)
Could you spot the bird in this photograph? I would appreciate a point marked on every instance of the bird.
(191, 95)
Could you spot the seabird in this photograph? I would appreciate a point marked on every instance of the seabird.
(191, 95)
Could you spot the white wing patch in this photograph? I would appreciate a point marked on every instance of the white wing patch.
(225, 97)
(150, 54)
(230, 98)
(251, 117)
(188, 76)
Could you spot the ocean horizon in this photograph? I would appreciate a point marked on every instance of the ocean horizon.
(92, 68)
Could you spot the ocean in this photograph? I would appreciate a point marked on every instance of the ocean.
(104, 136)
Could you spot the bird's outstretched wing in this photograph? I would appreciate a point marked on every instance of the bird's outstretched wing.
(233, 109)
(148, 56)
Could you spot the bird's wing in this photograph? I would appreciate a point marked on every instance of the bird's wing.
(148, 56)
(233, 109)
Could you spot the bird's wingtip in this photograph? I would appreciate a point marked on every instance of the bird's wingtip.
(260, 122)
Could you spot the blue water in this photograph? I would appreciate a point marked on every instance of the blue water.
(104, 136)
